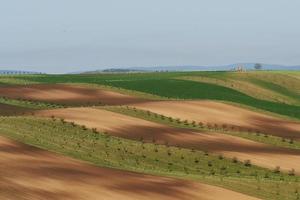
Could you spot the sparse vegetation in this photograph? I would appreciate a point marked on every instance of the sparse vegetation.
(105, 150)
(250, 134)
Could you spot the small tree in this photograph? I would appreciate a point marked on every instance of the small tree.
(257, 66)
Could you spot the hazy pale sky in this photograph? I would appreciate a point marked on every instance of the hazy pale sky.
(72, 35)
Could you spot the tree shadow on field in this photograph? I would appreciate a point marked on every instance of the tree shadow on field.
(281, 128)
(206, 141)
(68, 94)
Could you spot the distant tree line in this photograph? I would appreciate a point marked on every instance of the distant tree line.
(17, 72)
(258, 66)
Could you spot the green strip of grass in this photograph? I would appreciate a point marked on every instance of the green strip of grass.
(250, 134)
(105, 150)
(28, 103)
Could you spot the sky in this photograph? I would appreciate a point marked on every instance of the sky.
(58, 36)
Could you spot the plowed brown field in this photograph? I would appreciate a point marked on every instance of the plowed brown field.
(221, 113)
(28, 173)
(134, 128)
(67, 94)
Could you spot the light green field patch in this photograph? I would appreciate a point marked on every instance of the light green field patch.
(266, 85)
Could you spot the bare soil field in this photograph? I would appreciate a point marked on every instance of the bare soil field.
(67, 94)
(134, 128)
(30, 173)
(221, 113)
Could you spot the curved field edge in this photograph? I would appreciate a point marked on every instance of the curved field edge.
(148, 96)
(252, 88)
(182, 89)
(104, 150)
(280, 83)
(249, 134)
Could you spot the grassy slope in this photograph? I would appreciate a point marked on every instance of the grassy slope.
(182, 89)
(105, 150)
(275, 86)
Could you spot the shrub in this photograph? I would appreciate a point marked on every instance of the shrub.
(234, 160)
(221, 157)
(94, 130)
(209, 163)
(247, 163)
(277, 170)
(292, 172)
(223, 168)
(266, 175)
(201, 124)
(216, 126)
(193, 123)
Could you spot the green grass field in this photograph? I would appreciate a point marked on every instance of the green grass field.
(266, 85)
(104, 150)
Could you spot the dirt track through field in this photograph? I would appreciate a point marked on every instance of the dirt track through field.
(220, 113)
(28, 173)
(134, 128)
(67, 94)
